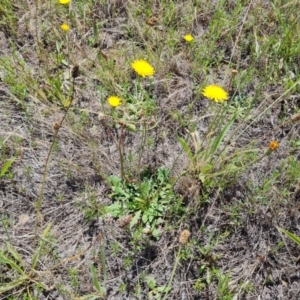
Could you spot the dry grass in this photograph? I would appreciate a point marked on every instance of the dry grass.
(226, 187)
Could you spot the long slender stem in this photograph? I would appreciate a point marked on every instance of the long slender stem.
(121, 152)
(173, 273)
(142, 148)
(57, 126)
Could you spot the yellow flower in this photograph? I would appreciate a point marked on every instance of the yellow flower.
(273, 145)
(215, 93)
(64, 1)
(114, 101)
(188, 37)
(142, 68)
(65, 27)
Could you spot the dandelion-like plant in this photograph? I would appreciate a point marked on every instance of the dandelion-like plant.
(64, 1)
(188, 38)
(215, 93)
(114, 101)
(65, 27)
(143, 68)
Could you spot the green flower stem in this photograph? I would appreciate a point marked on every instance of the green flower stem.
(121, 151)
(173, 272)
(40, 198)
(142, 147)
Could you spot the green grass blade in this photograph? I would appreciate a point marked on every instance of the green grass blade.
(40, 247)
(13, 252)
(95, 280)
(6, 166)
(103, 262)
(12, 285)
(4, 259)
(221, 136)
(186, 148)
(292, 236)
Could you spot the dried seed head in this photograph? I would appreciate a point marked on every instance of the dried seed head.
(184, 237)
(295, 118)
(75, 71)
(152, 21)
(147, 230)
(56, 126)
(125, 220)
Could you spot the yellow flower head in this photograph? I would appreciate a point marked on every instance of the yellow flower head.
(65, 27)
(64, 1)
(188, 38)
(142, 68)
(215, 93)
(114, 101)
(273, 145)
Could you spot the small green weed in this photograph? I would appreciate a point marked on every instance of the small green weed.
(155, 291)
(91, 206)
(148, 199)
(223, 289)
